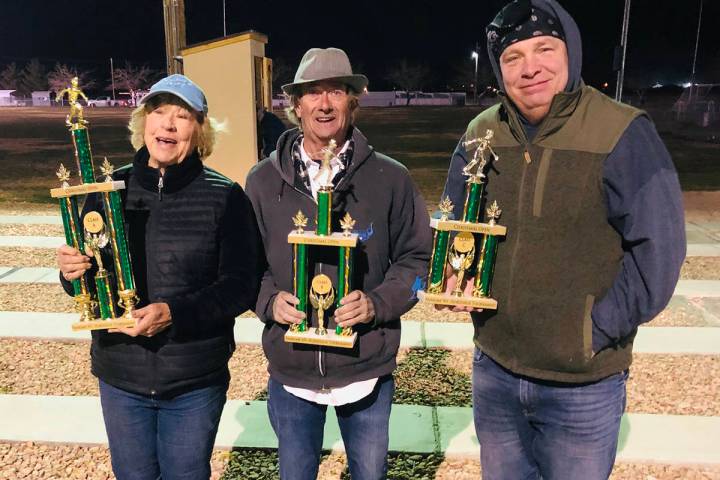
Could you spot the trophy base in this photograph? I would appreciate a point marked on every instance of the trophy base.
(445, 299)
(120, 322)
(330, 339)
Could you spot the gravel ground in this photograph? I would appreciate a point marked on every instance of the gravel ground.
(50, 461)
(701, 268)
(27, 257)
(34, 297)
(662, 384)
(32, 230)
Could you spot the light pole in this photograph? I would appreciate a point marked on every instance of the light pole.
(474, 56)
(697, 43)
(623, 46)
(112, 77)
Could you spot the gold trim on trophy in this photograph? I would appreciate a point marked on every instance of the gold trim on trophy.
(346, 224)
(300, 221)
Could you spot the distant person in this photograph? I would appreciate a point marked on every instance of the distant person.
(595, 242)
(194, 246)
(395, 247)
(270, 127)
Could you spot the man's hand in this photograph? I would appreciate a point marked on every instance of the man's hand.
(356, 307)
(151, 319)
(284, 311)
(450, 283)
(72, 263)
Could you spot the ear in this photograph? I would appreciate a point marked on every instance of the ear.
(298, 110)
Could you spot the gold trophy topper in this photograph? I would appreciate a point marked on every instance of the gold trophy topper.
(347, 223)
(300, 221)
(493, 213)
(322, 296)
(76, 110)
(462, 254)
(479, 157)
(63, 175)
(107, 170)
(325, 168)
(446, 208)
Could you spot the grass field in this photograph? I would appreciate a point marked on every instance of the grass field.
(33, 142)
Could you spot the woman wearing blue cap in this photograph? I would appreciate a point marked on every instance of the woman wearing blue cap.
(194, 248)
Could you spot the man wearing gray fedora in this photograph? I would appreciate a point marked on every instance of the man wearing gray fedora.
(391, 258)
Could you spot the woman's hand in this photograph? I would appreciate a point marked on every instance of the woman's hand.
(72, 263)
(151, 319)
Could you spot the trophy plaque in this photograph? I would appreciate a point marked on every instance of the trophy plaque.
(320, 294)
(473, 249)
(96, 231)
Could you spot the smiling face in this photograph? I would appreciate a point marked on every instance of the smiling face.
(533, 71)
(170, 134)
(325, 113)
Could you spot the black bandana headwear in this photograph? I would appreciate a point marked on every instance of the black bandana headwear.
(518, 21)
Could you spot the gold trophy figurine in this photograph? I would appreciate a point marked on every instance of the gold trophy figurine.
(478, 157)
(322, 295)
(76, 110)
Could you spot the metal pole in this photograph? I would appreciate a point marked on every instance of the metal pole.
(112, 77)
(697, 43)
(623, 44)
(224, 21)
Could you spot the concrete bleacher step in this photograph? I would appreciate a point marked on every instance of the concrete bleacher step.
(417, 334)
(673, 439)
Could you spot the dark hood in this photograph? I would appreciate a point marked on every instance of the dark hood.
(573, 43)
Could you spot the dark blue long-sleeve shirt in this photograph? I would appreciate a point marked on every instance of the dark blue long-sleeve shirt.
(644, 205)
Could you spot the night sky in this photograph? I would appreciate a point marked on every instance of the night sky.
(440, 34)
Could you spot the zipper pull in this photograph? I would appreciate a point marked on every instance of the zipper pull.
(160, 187)
(526, 154)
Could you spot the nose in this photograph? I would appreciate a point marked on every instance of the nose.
(325, 104)
(531, 66)
(168, 123)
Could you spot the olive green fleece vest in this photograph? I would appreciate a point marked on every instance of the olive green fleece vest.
(560, 254)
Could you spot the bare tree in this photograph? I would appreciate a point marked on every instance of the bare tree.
(61, 75)
(133, 78)
(10, 77)
(33, 77)
(409, 77)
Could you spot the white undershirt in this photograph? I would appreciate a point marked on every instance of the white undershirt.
(357, 390)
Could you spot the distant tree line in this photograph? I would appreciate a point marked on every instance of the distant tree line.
(34, 76)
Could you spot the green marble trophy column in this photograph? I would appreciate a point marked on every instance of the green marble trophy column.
(486, 260)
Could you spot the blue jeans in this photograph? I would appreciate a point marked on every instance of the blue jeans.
(534, 429)
(299, 425)
(169, 439)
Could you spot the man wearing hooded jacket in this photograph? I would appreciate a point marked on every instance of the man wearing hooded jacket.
(394, 249)
(594, 247)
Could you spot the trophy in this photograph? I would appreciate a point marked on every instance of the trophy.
(474, 246)
(95, 232)
(321, 293)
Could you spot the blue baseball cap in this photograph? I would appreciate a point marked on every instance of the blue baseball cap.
(183, 88)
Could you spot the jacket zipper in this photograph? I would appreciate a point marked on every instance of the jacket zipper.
(526, 154)
(160, 187)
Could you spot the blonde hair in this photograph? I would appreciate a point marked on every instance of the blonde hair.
(294, 99)
(204, 136)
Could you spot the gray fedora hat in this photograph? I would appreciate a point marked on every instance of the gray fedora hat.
(325, 64)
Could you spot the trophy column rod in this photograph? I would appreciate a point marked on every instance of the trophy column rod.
(300, 281)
